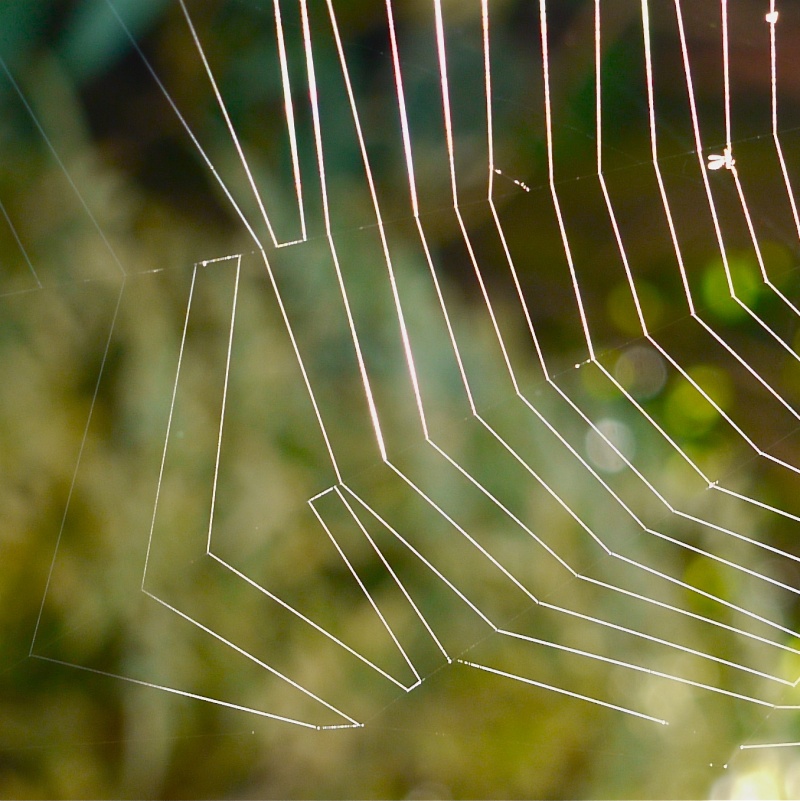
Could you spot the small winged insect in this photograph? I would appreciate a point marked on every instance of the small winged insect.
(717, 161)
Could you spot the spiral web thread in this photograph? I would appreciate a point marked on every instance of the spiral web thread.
(762, 678)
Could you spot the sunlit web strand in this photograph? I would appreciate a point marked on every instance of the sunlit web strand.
(73, 480)
(439, 33)
(731, 167)
(354, 334)
(408, 151)
(48, 142)
(22, 249)
(676, 245)
(365, 379)
(620, 663)
(188, 618)
(712, 207)
(629, 276)
(362, 368)
(772, 19)
(618, 237)
(451, 163)
(183, 693)
(399, 84)
(240, 214)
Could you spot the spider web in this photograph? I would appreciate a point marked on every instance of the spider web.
(478, 509)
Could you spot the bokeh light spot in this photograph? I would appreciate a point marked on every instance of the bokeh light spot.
(688, 411)
(622, 312)
(641, 371)
(747, 284)
(601, 444)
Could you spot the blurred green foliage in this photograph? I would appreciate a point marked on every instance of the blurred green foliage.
(95, 112)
